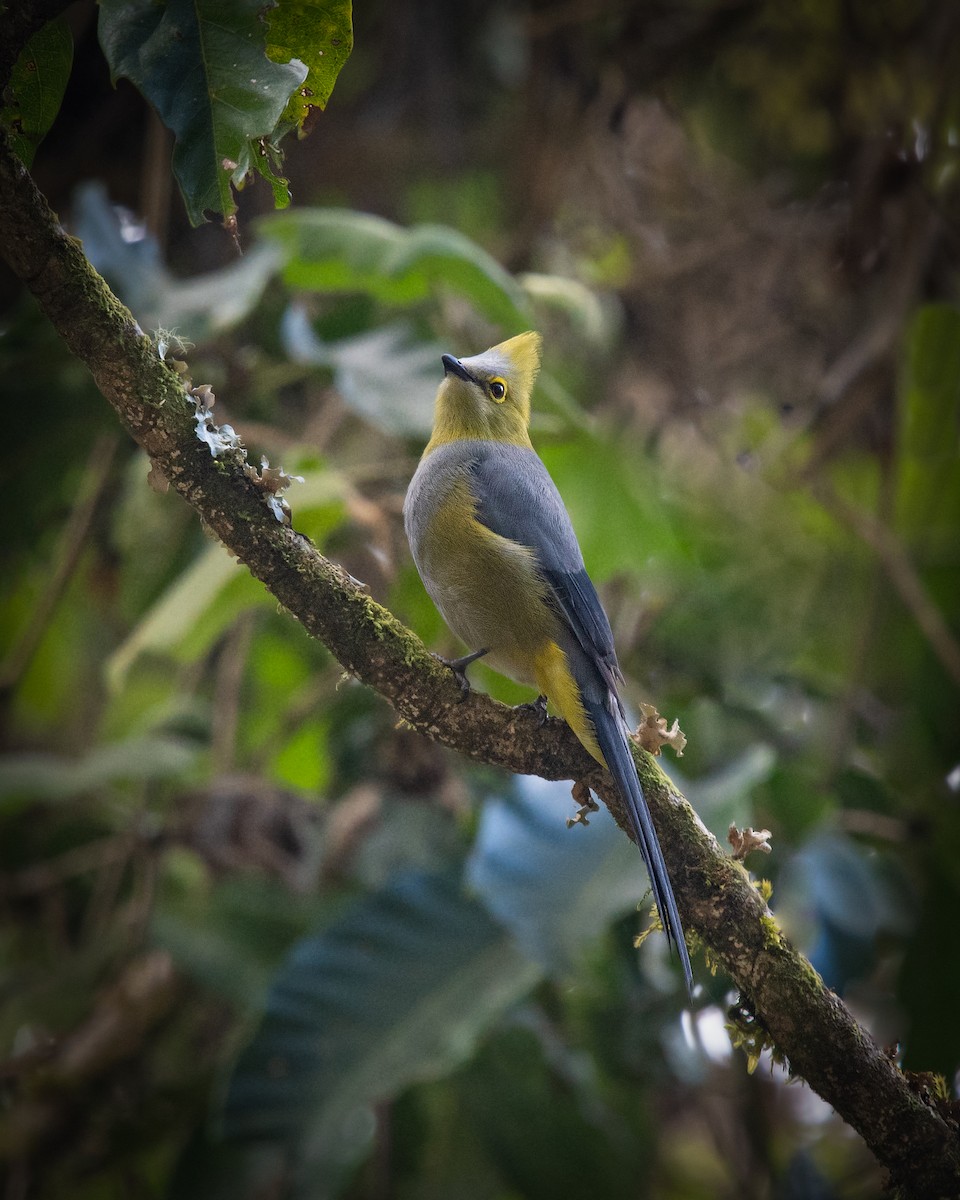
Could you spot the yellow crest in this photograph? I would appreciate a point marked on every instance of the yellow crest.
(523, 354)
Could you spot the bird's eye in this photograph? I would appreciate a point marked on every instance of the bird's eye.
(498, 390)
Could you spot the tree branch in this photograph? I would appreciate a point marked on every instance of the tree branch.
(809, 1025)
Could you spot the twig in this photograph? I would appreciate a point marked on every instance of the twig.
(67, 556)
(115, 1031)
(93, 856)
(902, 574)
(229, 682)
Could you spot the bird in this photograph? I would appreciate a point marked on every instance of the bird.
(497, 553)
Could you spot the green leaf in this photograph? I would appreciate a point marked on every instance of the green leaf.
(320, 34)
(928, 501)
(337, 250)
(36, 87)
(932, 408)
(230, 936)
(202, 64)
(543, 1120)
(301, 762)
(396, 990)
(184, 603)
(598, 478)
(582, 308)
(52, 777)
(267, 162)
(199, 605)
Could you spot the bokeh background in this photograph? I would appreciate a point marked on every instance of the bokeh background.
(257, 939)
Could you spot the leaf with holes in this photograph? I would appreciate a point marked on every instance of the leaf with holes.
(36, 87)
(203, 65)
(320, 33)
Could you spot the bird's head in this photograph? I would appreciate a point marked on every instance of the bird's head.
(488, 396)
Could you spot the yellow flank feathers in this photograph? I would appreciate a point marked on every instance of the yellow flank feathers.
(553, 678)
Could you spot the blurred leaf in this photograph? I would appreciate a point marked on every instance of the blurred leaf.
(547, 1132)
(51, 777)
(406, 836)
(618, 511)
(395, 990)
(48, 695)
(301, 761)
(723, 796)
(583, 309)
(839, 897)
(554, 888)
(195, 592)
(847, 886)
(929, 985)
(931, 418)
(232, 934)
(122, 250)
(203, 601)
(336, 250)
(387, 375)
(320, 34)
(154, 536)
(928, 503)
(35, 90)
(202, 64)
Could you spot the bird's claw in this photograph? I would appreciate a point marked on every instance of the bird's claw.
(459, 668)
(538, 707)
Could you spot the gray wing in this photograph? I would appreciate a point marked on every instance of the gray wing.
(517, 499)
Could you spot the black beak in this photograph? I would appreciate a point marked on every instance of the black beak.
(453, 366)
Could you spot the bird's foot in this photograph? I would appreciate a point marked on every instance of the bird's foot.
(538, 707)
(459, 668)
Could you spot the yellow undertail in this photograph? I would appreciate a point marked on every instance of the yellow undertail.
(556, 682)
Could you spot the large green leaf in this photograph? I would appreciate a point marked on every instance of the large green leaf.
(36, 87)
(337, 250)
(397, 990)
(203, 65)
(319, 33)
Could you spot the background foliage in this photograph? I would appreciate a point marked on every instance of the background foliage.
(256, 939)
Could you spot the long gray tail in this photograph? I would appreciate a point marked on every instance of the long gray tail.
(612, 740)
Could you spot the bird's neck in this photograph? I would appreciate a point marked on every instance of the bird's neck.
(450, 427)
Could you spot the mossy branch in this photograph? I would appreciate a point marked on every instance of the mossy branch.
(810, 1027)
